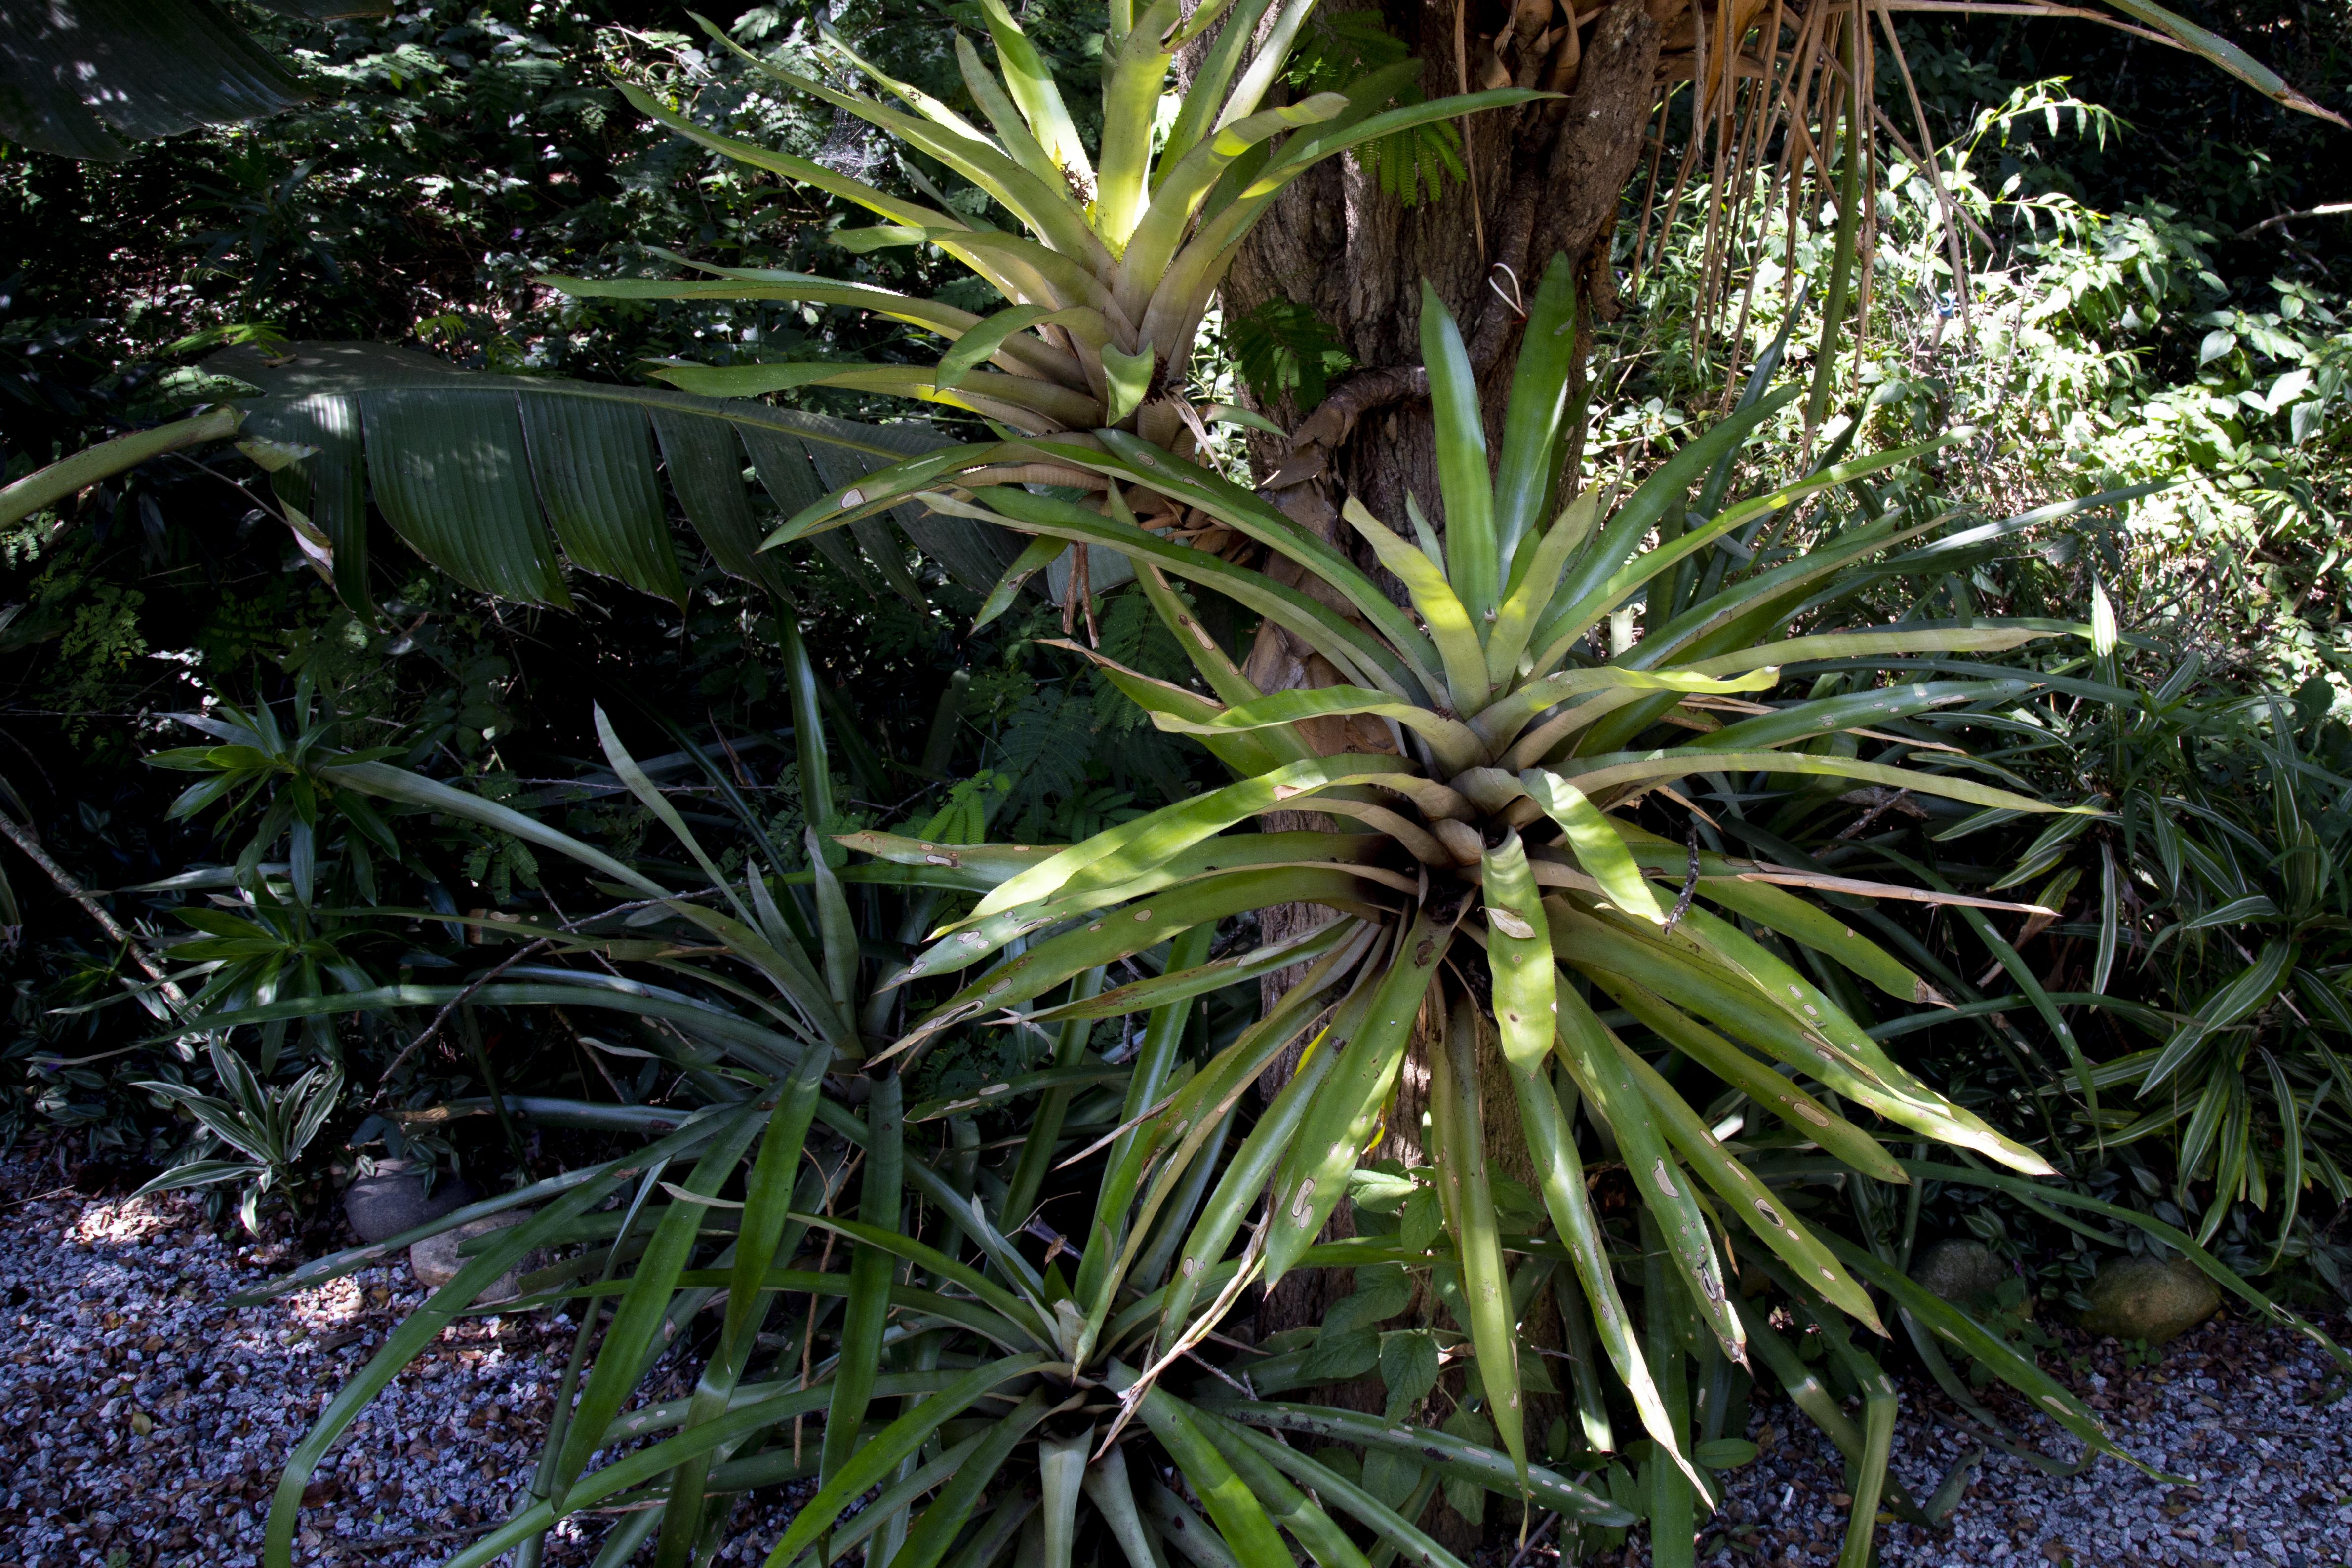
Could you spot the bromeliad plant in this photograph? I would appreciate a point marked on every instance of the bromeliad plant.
(1127, 244)
(869, 1250)
(1498, 895)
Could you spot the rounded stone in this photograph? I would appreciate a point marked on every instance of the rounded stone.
(1957, 1270)
(394, 1199)
(2141, 1299)
(437, 1259)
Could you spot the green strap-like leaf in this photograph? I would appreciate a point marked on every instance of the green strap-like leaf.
(1805, 1115)
(875, 1458)
(1224, 679)
(620, 1476)
(1528, 465)
(1185, 180)
(1455, 1457)
(1223, 852)
(1453, 743)
(1459, 646)
(1721, 881)
(1038, 555)
(2235, 998)
(1255, 1162)
(1359, 656)
(1238, 1515)
(1387, 1525)
(1108, 1487)
(1132, 849)
(989, 337)
(1519, 958)
(1473, 566)
(1458, 1125)
(1134, 77)
(1853, 710)
(1597, 684)
(1590, 1050)
(2221, 52)
(1303, 153)
(871, 1271)
(1575, 619)
(2028, 984)
(634, 1336)
(1201, 103)
(1245, 753)
(1118, 932)
(1288, 1507)
(1889, 643)
(986, 864)
(933, 1261)
(1266, 65)
(1748, 1197)
(1314, 1174)
(1191, 1130)
(1155, 1064)
(1593, 838)
(1535, 575)
(766, 1046)
(1047, 207)
(768, 1196)
(799, 170)
(1035, 356)
(1041, 1138)
(1130, 376)
(994, 1327)
(1619, 770)
(1031, 81)
(1020, 400)
(633, 778)
(1710, 938)
(1006, 1091)
(1642, 511)
(1742, 1008)
(1133, 460)
(1218, 974)
(2003, 1359)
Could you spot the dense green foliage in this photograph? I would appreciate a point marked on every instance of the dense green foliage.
(529, 894)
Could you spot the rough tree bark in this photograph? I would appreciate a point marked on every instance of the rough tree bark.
(1545, 179)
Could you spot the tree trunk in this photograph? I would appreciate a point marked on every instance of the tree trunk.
(1545, 179)
(1548, 179)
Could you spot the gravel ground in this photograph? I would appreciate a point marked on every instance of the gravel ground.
(2252, 1417)
(144, 1421)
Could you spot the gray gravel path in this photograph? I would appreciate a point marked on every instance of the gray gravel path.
(2251, 1417)
(144, 1422)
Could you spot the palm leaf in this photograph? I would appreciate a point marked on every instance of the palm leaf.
(501, 479)
(84, 78)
